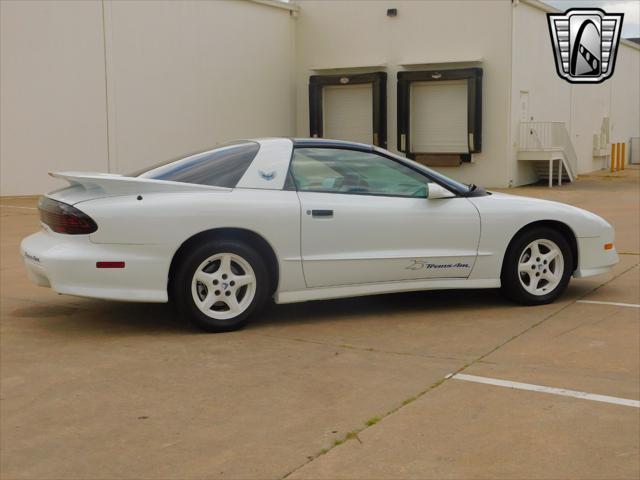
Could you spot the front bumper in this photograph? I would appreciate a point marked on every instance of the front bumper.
(67, 263)
(593, 259)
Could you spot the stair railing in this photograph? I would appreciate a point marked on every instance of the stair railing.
(563, 139)
(545, 136)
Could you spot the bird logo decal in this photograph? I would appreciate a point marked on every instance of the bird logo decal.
(268, 176)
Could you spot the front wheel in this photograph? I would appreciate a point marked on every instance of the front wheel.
(537, 267)
(218, 285)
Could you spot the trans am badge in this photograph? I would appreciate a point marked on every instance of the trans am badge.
(420, 264)
(585, 43)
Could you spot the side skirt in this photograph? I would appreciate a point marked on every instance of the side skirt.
(326, 293)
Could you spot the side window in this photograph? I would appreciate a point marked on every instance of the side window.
(221, 167)
(289, 183)
(335, 170)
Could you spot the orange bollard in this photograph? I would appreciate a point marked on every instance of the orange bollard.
(613, 157)
(623, 157)
(618, 157)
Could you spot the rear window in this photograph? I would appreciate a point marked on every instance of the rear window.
(221, 167)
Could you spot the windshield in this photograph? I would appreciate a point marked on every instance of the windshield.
(221, 167)
(443, 179)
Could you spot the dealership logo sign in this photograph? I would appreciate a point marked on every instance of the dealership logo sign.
(585, 43)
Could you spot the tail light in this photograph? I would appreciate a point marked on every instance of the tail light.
(63, 218)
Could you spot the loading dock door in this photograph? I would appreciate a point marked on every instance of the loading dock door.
(348, 112)
(439, 117)
(349, 107)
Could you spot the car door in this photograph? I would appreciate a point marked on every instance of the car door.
(366, 218)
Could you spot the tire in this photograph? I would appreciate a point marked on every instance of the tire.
(537, 267)
(219, 284)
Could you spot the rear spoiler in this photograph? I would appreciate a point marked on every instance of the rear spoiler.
(114, 184)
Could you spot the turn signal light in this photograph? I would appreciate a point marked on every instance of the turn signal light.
(608, 246)
(63, 218)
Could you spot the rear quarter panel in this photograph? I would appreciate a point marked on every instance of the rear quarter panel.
(169, 219)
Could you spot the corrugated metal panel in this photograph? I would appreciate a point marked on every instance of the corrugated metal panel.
(634, 154)
(439, 117)
(348, 113)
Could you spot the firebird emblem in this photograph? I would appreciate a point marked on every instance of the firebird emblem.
(268, 176)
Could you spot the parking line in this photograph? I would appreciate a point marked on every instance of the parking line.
(556, 391)
(16, 206)
(616, 304)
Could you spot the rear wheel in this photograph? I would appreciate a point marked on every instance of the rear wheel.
(537, 267)
(220, 284)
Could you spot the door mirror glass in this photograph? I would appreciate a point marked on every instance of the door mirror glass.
(436, 191)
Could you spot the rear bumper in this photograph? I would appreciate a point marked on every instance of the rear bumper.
(67, 264)
(593, 258)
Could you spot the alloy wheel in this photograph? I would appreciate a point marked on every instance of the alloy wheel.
(540, 267)
(223, 286)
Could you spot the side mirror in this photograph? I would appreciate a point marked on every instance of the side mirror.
(436, 191)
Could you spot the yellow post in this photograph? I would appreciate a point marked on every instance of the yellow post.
(623, 157)
(613, 157)
(618, 157)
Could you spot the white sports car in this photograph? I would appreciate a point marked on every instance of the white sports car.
(304, 219)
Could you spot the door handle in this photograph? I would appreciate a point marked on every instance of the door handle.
(321, 213)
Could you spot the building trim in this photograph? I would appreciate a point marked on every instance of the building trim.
(292, 7)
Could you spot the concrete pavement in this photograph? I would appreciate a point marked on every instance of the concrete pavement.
(352, 388)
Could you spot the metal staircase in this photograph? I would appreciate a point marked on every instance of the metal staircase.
(548, 146)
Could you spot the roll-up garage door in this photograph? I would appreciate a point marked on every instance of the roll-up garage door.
(439, 117)
(348, 112)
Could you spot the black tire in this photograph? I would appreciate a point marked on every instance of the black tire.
(181, 285)
(512, 281)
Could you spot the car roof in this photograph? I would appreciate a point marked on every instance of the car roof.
(329, 143)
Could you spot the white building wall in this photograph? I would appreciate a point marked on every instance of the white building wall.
(171, 78)
(429, 35)
(188, 75)
(625, 97)
(581, 107)
(52, 92)
(113, 86)
(534, 72)
(590, 104)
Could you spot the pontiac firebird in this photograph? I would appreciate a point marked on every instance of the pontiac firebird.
(219, 232)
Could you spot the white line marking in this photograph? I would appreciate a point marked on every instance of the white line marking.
(632, 305)
(557, 391)
(16, 206)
